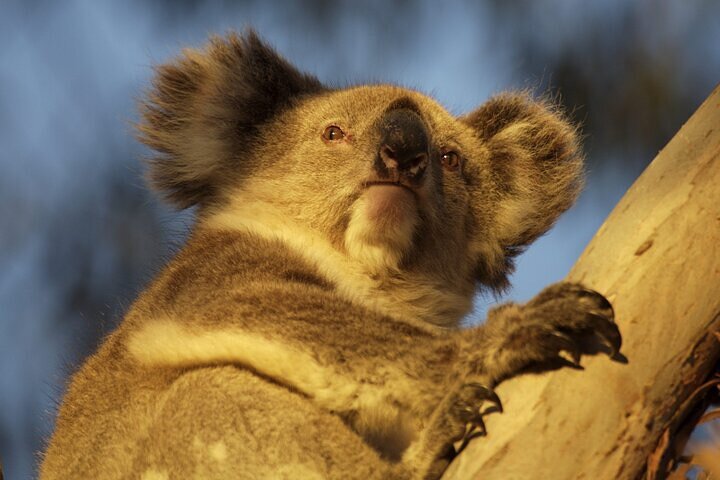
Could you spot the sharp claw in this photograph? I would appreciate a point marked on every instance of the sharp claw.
(608, 332)
(612, 310)
(588, 292)
(607, 314)
(478, 422)
(473, 417)
(613, 344)
(563, 339)
(575, 355)
(498, 404)
(604, 302)
(602, 314)
(468, 415)
(566, 344)
(611, 349)
(484, 392)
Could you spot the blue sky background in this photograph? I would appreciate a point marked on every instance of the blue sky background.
(80, 235)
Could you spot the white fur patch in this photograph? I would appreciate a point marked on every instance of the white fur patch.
(168, 344)
(164, 343)
(350, 276)
(379, 235)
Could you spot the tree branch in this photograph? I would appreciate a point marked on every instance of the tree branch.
(657, 258)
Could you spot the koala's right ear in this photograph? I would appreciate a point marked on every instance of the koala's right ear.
(203, 113)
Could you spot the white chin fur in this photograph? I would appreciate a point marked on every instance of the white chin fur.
(381, 228)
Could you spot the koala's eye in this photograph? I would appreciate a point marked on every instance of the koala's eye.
(450, 161)
(333, 133)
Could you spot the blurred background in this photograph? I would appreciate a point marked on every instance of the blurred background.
(80, 235)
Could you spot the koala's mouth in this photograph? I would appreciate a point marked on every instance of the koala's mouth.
(399, 184)
(388, 200)
(386, 204)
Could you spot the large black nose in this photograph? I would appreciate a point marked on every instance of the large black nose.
(403, 153)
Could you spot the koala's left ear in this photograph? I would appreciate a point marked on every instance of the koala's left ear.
(536, 165)
(205, 108)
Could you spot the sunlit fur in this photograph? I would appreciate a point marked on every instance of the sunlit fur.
(396, 293)
(299, 334)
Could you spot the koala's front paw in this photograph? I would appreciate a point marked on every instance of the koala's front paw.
(565, 317)
(569, 317)
(468, 402)
(461, 407)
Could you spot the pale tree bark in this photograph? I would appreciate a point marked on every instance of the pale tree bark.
(657, 258)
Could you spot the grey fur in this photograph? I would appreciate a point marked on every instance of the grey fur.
(309, 328)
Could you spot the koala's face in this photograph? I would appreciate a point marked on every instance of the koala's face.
(385, 174)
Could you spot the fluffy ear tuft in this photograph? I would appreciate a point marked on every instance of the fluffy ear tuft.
(535, 161)
(205, 108)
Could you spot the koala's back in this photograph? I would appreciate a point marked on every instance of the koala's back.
(217, 422)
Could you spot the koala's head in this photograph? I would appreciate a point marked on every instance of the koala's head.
(399, 187)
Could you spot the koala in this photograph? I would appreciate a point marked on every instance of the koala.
(311, 327)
